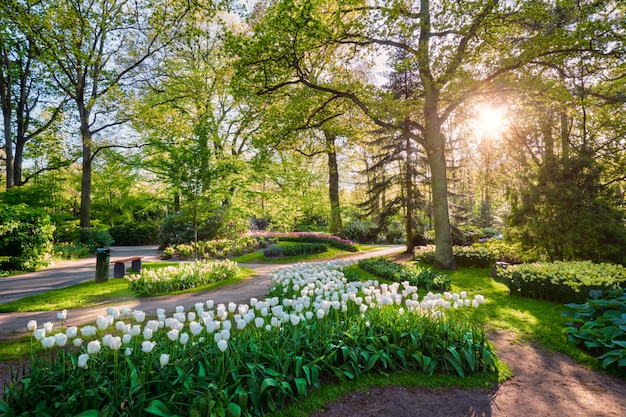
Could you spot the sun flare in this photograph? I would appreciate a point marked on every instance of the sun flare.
(490, 121)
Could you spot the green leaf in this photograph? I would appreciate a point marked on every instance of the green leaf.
(267, 382)
(89, 413)
(234, 410)
(157, 407)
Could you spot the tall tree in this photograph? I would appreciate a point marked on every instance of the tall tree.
(458, 49)
(29, 106)
(94, 49)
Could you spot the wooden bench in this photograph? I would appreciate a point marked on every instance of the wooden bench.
(119, 267)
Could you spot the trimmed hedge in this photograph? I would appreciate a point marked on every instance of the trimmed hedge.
(297, 249)
(334, 241)
(475, 256)
(563, 282)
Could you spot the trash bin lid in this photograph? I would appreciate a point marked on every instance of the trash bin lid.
(103, 250)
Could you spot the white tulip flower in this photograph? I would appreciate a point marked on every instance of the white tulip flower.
(128, 351)
(115, 343)
(32, 325)
(82, 360)
(164, 359)
(102, 323)
(173, 335)
(147, 346)
(62, 315)
(222, 345)
(139, 316)
(60, 339)
(78, 342)
(184, 338)
(39, 334)
(48, 326)
(127, 338)
(48, 342)
(93, 347)
(71, 332)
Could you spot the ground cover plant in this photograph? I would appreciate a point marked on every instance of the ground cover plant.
(563, 282)
(248, 359)
(418, 276)
(599, 326)
(185, 276)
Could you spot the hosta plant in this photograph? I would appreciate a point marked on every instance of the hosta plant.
(599, 326)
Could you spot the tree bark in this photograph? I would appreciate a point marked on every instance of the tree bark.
(409, 197)
(5, 96)
(333, 184)
(85, 192)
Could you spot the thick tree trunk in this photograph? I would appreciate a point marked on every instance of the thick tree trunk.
(17, 162)
(85, 192)
(444, 259)
(333, 184)
(6, 113)
(409, 197)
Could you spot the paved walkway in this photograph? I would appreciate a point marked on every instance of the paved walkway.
(69, 273)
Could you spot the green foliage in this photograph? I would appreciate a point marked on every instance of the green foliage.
(359, 230)
(415, 275)
(166, 280)
(513, 253)
(25, 237)
(295, 249)
(599, 325)
(91, 238)
(175, 228)
(217, 249)
(568, 215)
(133, 233)
(564, 282)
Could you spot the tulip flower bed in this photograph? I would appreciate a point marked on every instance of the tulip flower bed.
(166, 280)
(334, 241)
(419, 277)
(247, 359)
(294, 249)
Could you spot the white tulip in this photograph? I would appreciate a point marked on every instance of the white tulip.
(115, 343)
(222, 345)
(62, 315)
(48, 342)
(147, 346)
(39, 334)
(82, 360)
(164, 359)
(71, 332)
(31, 326)
(48, 327)
(93, 347)
(60, 339)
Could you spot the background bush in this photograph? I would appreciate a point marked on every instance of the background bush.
(359, 230)
(129, 234)
(333, 241)
(25, 237)
(217, 249)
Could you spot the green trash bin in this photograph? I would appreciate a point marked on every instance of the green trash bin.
(103, 258)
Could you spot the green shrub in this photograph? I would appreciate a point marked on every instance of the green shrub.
(513, 253)
(416, 276)
(358, 230)
(599, 325)
(166, 280)
(91, 238)
(175, 229)
(564, 282)
(129, 234)
(295, 249)
(25, 237)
